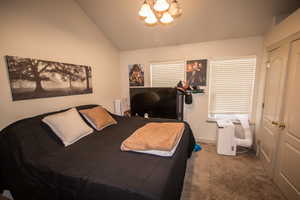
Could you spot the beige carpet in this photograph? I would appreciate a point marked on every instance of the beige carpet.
(214, 177)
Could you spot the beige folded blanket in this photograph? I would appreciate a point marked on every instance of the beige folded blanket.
(154, 136)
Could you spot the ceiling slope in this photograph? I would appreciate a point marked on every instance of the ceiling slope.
(202, 20)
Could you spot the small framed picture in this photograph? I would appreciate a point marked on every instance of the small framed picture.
(136, 75)
(196, 71)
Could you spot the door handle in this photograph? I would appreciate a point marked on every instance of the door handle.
(280, 125)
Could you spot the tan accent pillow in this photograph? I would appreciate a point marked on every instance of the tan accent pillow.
(98, 117)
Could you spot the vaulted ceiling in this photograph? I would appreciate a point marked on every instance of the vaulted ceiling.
(202, 20)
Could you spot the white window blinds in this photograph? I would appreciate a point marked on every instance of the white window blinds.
(231, 86)
(166, 74)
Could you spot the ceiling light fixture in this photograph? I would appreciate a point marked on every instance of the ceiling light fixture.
(163, 11)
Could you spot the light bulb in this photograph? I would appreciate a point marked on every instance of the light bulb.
(166, 18)
(174, 8)
(179, 12)
(144, 11)
(161, 5)
(151, 18)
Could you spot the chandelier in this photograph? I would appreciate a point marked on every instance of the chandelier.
(160, 11)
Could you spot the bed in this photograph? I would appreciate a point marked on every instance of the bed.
(35, 164)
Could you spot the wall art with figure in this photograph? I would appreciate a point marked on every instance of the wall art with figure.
(33, 78)
(196, 71)
(136, 75)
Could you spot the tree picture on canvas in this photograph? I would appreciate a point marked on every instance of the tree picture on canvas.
(33, 78)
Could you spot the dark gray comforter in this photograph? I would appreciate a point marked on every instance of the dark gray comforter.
(36, 165)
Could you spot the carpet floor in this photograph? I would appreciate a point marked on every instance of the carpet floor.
(211, 176)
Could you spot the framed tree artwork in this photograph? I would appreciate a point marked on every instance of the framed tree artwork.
(32, 78)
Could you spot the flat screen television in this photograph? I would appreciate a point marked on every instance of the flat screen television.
(156, 102)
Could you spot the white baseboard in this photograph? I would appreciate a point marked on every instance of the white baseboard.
(206, 140)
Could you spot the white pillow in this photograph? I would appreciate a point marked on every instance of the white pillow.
(68, 126)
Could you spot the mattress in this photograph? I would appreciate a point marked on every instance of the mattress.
(36, 165)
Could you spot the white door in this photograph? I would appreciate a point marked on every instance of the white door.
(272, 112)
(287, 174)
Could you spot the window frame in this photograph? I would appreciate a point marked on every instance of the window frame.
(211, 92)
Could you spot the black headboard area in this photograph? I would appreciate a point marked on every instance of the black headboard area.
(156, 102)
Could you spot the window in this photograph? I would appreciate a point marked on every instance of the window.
(231, 87)
(166, 74)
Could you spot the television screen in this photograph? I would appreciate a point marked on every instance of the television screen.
(156, 102)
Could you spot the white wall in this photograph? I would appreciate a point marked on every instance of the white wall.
(209, 50)
(57, 31)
